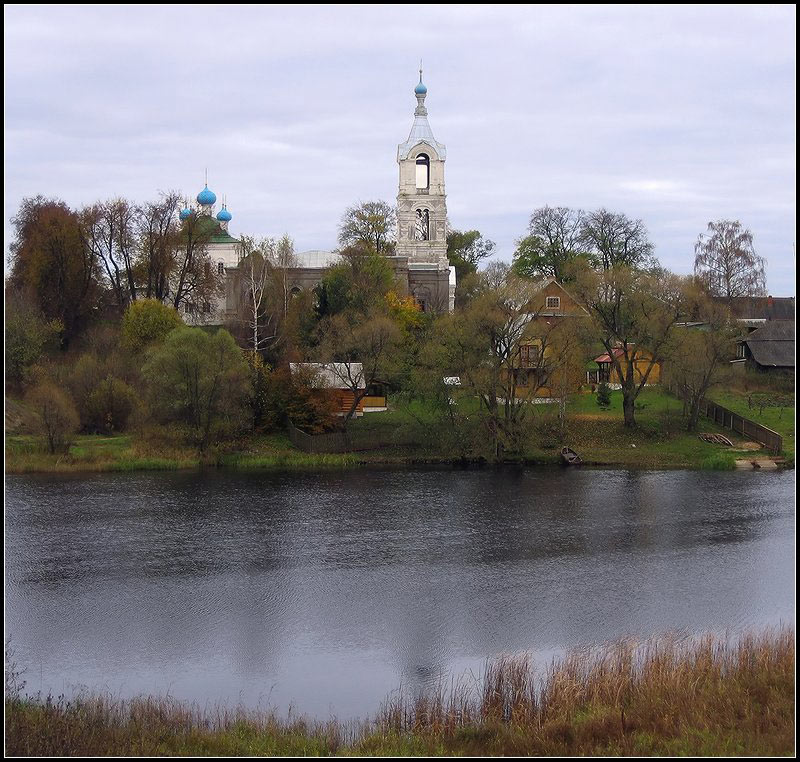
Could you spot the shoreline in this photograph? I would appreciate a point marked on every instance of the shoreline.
(657, 697)
(349, 461)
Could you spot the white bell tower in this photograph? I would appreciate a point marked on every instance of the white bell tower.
(421, 207)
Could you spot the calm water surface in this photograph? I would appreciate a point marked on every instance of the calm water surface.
(327, 591)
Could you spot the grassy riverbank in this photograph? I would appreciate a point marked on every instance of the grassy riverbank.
(774, 416)
(659, 441)
(664, 698)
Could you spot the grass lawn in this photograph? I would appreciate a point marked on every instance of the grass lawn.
(780, 419)
(89, 452)
(598, 435)
(659, 440)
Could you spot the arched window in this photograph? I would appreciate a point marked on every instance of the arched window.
(423, 227)
(423, 171)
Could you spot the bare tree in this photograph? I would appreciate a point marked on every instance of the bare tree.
(155, 228)
(195, 281)
(109, 229)
(503, 352)
(254, 274)
(635, 314)
(282, 259)
(615, 239)
(699, 359)
(727, 263)
(263, 288)
(362, 351)
(371, 222)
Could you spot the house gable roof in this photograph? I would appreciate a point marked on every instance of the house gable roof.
(772, 345)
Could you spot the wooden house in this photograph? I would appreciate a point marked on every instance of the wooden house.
(546, 364)
(337, 381)
(607, 370)
(769, 348)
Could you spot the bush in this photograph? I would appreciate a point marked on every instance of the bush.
(57, 416)
(28, 335)
(109, 405)
(270, 394)
(309, 407)
(147, 322)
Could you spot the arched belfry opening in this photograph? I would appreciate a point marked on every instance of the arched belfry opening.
(423, 172)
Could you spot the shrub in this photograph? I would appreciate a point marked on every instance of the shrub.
(309, 407)
(146, 322)
(57, 417)
(109, 405)
(270, 393)
(28, 335)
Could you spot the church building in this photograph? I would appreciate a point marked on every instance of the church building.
(420, 259)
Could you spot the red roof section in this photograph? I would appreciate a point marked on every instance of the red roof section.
(618, 352)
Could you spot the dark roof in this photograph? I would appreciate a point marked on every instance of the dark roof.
(772, 345)
(759, 307)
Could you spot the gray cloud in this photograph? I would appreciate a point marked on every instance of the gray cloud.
(677, 115)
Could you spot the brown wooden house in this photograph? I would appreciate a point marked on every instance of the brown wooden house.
(542, 366)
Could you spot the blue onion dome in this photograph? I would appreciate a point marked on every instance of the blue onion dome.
(185, 213)
(224, 215)
(420, 89)
(206, 197)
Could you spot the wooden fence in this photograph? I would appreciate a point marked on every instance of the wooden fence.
(772, 440)
(752, 430)
(347, 441)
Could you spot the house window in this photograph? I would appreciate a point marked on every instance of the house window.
(528, 355)
(188, 308)
(206, 307)
(220, 268)
(423, 171)
(554, 302)
(740, 351)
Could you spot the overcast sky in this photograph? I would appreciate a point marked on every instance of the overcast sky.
(675, 115)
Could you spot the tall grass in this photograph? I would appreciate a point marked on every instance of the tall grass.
(662, 697)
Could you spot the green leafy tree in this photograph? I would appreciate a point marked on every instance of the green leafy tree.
(359, 283)
(466, 250)
(146, 322)
(553, 243)
(373, 223)
(28, 336)
(200, 382)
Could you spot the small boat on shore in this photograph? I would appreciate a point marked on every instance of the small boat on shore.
(570, 457)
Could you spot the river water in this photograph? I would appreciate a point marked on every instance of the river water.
(324, 592)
